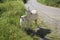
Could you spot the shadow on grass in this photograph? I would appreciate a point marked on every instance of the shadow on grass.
(41, 32)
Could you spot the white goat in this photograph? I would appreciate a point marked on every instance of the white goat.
(31, 16)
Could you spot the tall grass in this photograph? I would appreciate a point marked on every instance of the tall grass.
(54, 3)
(10, 12)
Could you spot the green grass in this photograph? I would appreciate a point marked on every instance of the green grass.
(10, 13)
(54, 3)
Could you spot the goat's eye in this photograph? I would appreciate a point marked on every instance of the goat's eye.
(31, 13)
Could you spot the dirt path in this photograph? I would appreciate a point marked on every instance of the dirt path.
(48, 14)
